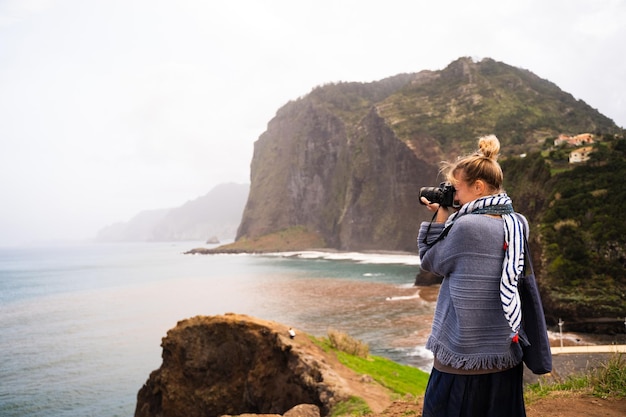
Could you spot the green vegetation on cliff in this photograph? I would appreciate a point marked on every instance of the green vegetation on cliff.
(467, 100)
(583, 234)
(401, 379)
(579, 233)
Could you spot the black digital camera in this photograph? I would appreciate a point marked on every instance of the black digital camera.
(443, 195)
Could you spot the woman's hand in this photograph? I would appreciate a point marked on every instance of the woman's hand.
(442, 212)
(430, 206)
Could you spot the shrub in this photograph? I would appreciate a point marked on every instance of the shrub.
(609, 380)
(348, 344)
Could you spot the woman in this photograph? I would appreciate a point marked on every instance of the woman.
(477, 369)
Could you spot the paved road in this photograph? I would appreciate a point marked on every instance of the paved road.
(573, 360)
(589, 349)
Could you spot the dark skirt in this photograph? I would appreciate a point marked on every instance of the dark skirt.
(499, 394)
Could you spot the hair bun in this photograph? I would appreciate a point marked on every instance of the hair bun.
(489, 146)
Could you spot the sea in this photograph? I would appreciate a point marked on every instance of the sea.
(81, 324)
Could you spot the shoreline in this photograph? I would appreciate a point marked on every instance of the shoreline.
(226, 250)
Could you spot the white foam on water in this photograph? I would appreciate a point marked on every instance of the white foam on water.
(404, 297)
(357, 257)
(424, 355)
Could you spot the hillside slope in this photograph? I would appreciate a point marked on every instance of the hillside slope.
(347, 161)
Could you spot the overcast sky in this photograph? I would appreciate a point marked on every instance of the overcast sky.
(111, 107)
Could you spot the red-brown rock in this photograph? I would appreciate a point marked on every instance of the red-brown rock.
(235, 364)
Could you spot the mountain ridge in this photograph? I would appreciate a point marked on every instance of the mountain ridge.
(347, 160)
(215, 215)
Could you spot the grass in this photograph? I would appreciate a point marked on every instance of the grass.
(292, 238)
(533, 392)
(400, 379)
(354, 406)
(608, 380)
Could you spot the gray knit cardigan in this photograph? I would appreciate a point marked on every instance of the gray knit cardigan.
(469, 330)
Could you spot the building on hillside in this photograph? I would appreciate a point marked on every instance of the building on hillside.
(580, 154)
(578, 140)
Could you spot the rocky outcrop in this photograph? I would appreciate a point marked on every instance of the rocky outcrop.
(356, 188)
(425, 279)
(235, 364)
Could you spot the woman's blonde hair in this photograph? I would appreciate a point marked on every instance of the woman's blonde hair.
(480, 165)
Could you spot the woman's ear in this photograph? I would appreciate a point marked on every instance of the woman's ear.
(479, 187)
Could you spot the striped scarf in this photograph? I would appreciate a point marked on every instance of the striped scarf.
(513, 264)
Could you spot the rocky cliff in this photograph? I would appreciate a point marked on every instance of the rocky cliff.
(347, 161)
(235, 364)
(357, 189)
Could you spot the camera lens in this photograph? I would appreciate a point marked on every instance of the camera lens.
(432, 194)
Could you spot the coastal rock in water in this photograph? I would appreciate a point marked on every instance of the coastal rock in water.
(213, 240)
(425, 279)
(236, 364)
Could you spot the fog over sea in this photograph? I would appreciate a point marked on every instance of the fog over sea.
(81, 325)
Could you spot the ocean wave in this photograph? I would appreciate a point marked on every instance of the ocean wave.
(404, 297)
(417, 356)
(421, 352)
(357, 257)
(423, 356)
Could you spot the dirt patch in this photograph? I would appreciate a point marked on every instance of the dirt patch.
(402, 408)
(556, 405)
(576, 405)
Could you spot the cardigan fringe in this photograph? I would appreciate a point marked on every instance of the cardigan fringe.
(474, 362)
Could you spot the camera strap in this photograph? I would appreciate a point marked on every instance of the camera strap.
(442, 235)
(498, 209)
